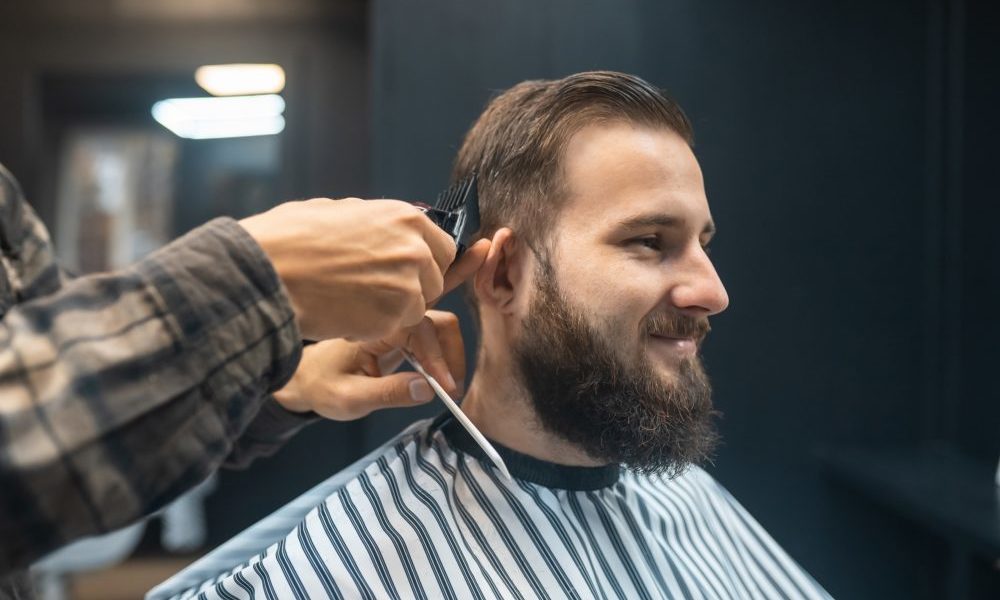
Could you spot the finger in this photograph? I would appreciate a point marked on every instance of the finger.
(389, 343)
(442, 245)
(449, 336)
(398, 390)
(386, 349)
(424, 345)
(358, 396)
(413, 313)
(465, 267)
(390, 361)
(431, 282)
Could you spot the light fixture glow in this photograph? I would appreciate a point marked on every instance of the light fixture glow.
(240, 79)
(233, 116)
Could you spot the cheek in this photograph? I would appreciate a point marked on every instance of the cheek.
(617, 291)
(616, 309)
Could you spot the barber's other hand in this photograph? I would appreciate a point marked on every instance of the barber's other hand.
(344, 380)
(359, 269)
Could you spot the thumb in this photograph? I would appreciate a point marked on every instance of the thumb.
(466, 266)
(400, 390)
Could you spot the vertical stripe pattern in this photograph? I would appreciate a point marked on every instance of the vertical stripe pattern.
(422, 520)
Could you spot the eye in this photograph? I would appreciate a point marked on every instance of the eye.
(651, 241)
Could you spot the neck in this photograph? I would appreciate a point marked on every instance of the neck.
(502, 410)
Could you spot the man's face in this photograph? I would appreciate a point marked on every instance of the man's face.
(609, 346)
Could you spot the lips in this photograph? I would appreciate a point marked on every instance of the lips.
(692, 337)
(682, 345)
(664, 336)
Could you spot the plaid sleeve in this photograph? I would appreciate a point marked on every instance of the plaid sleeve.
(120, 391)
(270, 429)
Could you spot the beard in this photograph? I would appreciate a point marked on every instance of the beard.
(614, 407)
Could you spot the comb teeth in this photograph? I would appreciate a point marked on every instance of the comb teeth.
(454, 196)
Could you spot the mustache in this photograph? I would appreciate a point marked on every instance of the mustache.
(678, 325)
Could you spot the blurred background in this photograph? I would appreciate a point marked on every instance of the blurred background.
(849, 151)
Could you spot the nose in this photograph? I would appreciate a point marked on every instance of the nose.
(698, 290)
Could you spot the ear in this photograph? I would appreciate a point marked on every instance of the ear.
(501, 277)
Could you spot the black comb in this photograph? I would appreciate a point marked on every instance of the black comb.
(456, 210)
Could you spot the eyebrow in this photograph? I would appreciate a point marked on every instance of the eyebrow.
(661, 220)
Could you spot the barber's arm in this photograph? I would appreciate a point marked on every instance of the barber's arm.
(120, 391)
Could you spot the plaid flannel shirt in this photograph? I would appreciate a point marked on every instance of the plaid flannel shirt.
(120, 391)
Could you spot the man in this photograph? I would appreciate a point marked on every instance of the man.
(592, 304)
(120, 391)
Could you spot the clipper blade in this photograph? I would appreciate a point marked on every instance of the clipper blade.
(456, 210)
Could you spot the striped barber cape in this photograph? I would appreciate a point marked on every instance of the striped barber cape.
(427, 516)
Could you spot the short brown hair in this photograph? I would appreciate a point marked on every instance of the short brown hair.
(517, 143)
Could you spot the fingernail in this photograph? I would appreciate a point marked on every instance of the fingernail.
(420, 390)
(450, 382)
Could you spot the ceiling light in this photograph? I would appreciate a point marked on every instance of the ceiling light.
(240, 79)
(233, 116)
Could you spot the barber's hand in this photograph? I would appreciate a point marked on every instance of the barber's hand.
(345, 380)
(359, 269)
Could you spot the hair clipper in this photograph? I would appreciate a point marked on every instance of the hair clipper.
(456, 211)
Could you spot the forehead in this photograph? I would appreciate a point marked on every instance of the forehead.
(616, 170)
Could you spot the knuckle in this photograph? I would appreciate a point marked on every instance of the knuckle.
(448, 320)
(413, 292)
(338, 393)
(410, 251)
(425, 257)
(406, 213)
(415, 250)
(387, 396)
(401, 293)
(434, 290)
(414, 313)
